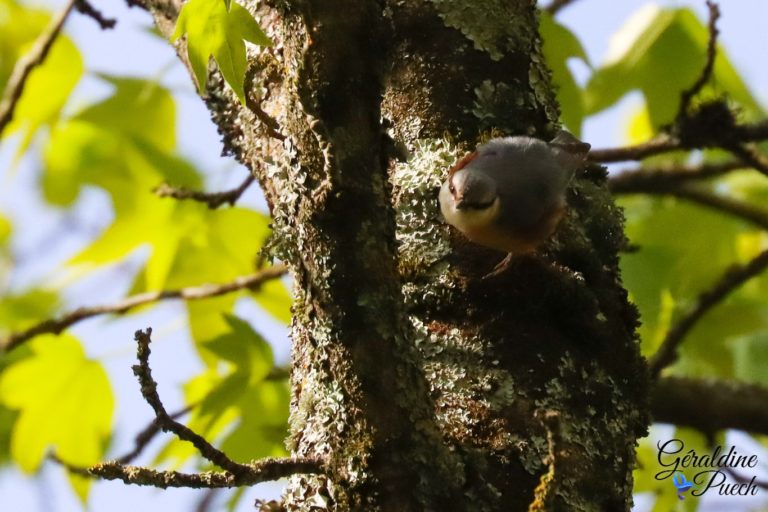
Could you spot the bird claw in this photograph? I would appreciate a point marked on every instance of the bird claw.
(502, 266)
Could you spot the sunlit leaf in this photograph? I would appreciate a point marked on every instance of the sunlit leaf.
(7, 420)
(661, 52)
(65, 403)
(216, 30)
(560, 45)
(273, 296)
(140, 109)
(41, 104)
(750, 354)
(19, 26)
(19, 311)
(5, 230)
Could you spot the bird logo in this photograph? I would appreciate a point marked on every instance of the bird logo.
(681, 483)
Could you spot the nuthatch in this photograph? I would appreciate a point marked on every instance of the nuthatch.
(509, 194)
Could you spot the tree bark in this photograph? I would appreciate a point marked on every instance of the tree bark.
(420, 385)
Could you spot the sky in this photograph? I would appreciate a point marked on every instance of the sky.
(130, 50)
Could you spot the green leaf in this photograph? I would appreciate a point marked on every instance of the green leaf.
(7, 420)
(244, 348)
(264, 423)
(65, 402)
(40, 104)
(560, 45)
(215, 29)
(274, 298)
(19, 26)
(5, 230)
(661, 52)
(139, 108)
(122, 144)
(19, 311)
(750, 354)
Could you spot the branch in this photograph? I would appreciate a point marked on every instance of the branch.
(145, 436)
(26, 64)
(168, 424)
(728, 282)
(264, 470)
(556, 5)
(706, 73)
(85, 8)
(662, 143)
(699, 195)
(643, 179)
(710, 405)
(750, 156)
(212, 199)
(730, 134)
(57, 325)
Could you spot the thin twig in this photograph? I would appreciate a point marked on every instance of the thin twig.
(744, 480)
(144, 437)
(26, 64)
(205, 503)
(706, 72)
(57, 325)
(212, 199)
(704, 197)
(658, 177)
(89, 10)
(270, 123)
(750, 156)
(556, 5)
(728, 282)
(149, 391)
(264, 470)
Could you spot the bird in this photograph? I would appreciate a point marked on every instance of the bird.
(509, 193)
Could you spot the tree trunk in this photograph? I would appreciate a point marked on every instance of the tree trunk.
(420, 385)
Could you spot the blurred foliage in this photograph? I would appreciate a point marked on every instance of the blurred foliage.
(682, 248)
(53, 397)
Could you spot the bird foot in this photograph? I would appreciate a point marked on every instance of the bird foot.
(500, 268)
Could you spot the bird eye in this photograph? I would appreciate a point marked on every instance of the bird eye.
(451, 188)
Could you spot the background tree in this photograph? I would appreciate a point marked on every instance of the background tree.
(415, 383)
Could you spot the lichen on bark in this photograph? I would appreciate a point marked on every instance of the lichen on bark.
(420, 385)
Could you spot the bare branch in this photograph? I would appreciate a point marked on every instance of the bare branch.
(750, 156)
(662, 143)
(710, 405)
(264, 470)
(168, 424)
(57, 325)
(702, 196)
(26, 64)
(728, 282)
(85, 8)
(644, 178)
(744, 480)
(556, 5)
(212, 199)
(706, 72)
(665, 143)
